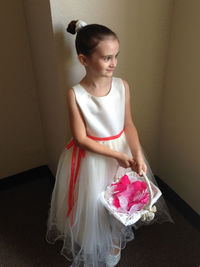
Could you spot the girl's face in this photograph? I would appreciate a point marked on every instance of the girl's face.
(103, 60)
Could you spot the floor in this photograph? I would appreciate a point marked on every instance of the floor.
(24, 208)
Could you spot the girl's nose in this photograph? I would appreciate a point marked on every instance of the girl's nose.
(113, 63)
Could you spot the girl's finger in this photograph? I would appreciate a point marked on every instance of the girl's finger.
(131, 161)
(145, 169)
(140, 170)
(134, 168)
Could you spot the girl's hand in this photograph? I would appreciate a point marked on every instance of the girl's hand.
(139, 164)
(124, 160)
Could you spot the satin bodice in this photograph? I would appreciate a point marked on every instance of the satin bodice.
(104, 116)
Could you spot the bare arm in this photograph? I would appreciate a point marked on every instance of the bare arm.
(132, 134)
(80, 136)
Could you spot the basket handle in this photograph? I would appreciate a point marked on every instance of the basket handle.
(149, 204)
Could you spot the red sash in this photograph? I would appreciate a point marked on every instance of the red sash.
(74, 173)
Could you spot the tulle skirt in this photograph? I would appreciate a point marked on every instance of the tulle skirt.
(94, 232)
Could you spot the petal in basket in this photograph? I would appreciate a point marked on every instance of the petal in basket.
(131, 198)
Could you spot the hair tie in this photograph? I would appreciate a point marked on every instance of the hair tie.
(80, 24)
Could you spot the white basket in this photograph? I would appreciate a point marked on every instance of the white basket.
(147, 213)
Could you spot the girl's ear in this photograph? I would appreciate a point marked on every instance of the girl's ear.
(83, 59)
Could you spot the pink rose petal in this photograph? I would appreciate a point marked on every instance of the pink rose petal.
(125, 180)
(129, 196)
(116, 202)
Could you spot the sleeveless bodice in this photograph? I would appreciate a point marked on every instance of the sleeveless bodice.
(104, 116)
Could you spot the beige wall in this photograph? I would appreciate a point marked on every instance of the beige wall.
(52, 105)
(146, 49)
(21, 138)
(180, 129)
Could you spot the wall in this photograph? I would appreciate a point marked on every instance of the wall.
(180, 127)
(51, 104)
(21, 138)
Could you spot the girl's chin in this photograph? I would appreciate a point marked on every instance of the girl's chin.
(109, 73)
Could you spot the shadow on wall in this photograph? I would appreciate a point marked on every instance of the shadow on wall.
(69, 68)
(64, 60)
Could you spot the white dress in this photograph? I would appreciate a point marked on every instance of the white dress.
(89, 232)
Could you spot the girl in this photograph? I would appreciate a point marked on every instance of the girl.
(105, 145)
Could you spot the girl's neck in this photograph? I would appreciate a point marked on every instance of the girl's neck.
(96, 83)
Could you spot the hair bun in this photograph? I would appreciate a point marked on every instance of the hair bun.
(72, 27)
(75, 25)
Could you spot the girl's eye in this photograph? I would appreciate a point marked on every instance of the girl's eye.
(106, 58)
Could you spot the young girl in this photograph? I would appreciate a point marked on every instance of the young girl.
(105, 145)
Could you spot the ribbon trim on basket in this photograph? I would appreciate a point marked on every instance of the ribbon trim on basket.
(74, 171)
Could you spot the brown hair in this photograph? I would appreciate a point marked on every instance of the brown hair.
(89, 36)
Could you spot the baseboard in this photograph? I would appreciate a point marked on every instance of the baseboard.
(44, 171)
(179, 203)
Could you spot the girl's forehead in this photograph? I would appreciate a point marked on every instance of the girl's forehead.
(107, 46)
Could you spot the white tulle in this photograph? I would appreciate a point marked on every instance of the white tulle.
(95, 233)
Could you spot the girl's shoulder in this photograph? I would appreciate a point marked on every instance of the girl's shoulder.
(74, 89)
(122, 81)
